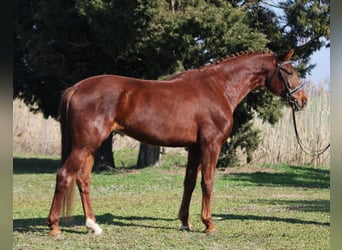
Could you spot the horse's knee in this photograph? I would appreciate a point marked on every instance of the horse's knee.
(66, 174)
(62, 180)
(207, 187)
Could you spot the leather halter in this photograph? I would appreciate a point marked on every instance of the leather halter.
(288, 91)
(287, 96)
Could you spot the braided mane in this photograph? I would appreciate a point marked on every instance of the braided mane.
(237, 54)
(222, 60)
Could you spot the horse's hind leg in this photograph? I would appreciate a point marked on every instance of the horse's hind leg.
(83, 183)
(194, 161)
(64, 180)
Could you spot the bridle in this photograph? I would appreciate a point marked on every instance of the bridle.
(295, 107)
(288, 91)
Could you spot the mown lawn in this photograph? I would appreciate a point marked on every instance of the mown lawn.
(255, 207)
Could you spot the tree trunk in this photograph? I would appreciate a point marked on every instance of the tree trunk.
(148, 155)
(104, 159)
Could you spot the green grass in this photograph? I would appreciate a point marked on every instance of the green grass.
(256, 207)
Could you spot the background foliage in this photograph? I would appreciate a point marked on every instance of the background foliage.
(57, 43)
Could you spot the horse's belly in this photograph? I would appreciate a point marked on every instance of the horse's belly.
(163, 134)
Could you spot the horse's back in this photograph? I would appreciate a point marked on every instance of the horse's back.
(167, 113)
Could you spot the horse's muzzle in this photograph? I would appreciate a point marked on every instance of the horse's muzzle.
(298, 104)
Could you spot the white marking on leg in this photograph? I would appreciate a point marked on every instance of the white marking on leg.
(94, 226)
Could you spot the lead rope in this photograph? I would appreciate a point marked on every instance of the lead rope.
(304, 148)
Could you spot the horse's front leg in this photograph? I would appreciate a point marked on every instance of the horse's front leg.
(210, 155)
(194, 161)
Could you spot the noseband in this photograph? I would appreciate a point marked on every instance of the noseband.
(287, 96)
(288, 91)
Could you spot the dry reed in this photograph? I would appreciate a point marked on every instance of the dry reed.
(279, 143)
(32, 133)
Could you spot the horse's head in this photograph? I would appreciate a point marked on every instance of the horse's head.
(285, 82)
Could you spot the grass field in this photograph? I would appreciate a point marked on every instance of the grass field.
(255, 207)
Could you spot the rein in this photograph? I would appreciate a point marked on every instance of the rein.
(288, 98)
(304, 148)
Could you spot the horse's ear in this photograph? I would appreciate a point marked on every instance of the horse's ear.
(288, 56)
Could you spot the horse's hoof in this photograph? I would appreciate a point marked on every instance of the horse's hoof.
(59, 236)
(97, 230)
(185, 228)
(211, 231)
(56, 234)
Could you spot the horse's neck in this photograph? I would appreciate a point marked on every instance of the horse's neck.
(242, 78)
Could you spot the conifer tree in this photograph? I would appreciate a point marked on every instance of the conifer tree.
(57, 43)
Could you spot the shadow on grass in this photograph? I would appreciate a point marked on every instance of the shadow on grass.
(269, 218)
(293, 176)
(319, 206)
(35, 165)
(40, 224)
(50, 166)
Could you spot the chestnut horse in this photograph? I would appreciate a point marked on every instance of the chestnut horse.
(193, 109)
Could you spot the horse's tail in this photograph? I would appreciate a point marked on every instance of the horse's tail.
(66, 148)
